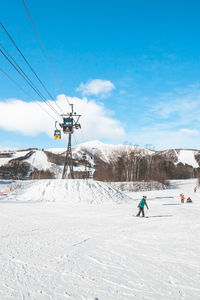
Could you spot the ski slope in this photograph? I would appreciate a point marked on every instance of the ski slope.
(14, 155)
(187, 157)
(81, 250)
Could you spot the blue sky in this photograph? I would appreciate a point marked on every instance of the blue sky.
(136, 64)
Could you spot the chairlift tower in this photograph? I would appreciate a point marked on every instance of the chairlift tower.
(70, 122)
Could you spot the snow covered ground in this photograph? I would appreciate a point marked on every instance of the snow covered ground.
(187, 157)
(78, 250)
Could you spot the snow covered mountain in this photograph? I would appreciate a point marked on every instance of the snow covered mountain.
(105, 152)
(48, 163)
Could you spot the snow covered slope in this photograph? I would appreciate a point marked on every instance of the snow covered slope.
(60, 250)
(187, 157)
(70, 191)
(107, 151)
(39, 160)
(13, 155)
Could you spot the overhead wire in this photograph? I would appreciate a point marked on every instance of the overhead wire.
(27, 62)
(17, 65)
(29, 82)
(45, 51)
(25, 92)
(26, 78)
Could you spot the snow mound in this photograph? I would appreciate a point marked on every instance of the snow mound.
(72, 191)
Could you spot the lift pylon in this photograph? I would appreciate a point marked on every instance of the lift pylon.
(68, 160)
(70, 122)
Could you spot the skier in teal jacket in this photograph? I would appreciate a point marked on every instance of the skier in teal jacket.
(141, 206)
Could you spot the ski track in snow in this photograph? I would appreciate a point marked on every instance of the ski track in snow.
(96, 249)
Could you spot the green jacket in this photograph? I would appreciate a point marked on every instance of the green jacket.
(143, 203)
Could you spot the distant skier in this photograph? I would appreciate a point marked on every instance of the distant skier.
(195, 189)
(182, 198)
(141, 206)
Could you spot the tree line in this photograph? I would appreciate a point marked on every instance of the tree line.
(138, 165)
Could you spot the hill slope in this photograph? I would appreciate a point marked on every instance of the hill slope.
(34, 163)
(62, 250)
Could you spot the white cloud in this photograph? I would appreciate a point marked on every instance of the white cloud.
(189, 131)
(29, 119)
(96, 87)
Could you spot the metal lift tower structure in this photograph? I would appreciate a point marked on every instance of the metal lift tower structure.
(70, 122)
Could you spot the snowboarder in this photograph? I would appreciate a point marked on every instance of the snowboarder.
(182, 198)
(141, 206)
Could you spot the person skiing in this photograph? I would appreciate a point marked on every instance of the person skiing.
(182, 198)
(141, 206)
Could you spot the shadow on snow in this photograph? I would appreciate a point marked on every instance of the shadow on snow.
(161, 216)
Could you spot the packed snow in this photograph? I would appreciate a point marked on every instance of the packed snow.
(87, 250)
(70, 191)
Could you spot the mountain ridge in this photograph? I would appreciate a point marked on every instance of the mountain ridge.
(49, 162)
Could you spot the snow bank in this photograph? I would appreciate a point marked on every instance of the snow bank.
(136, 186)
(71, 191)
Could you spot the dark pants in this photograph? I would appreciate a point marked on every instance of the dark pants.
(141, 210)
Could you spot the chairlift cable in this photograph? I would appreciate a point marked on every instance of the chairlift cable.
(68, 161)
(33, 71)
(45, 51)
(25, 92)
(17, 65)
(39, 94)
